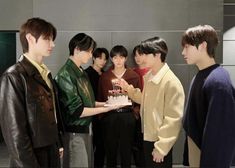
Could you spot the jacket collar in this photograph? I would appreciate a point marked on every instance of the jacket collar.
(78, 70)
(40, 67)
(30, 69)
(158, 77)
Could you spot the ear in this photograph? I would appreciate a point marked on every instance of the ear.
(157, 55)
(30, 38)
(203, 46)
(76, 51)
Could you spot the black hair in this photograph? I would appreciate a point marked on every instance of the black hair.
(136, 49)
(98, 52)
(118, 50)
(154, 46)
(81, 41)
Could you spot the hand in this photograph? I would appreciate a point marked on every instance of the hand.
(61, 152)
(114, 107)
(123, 84)
(157, 157)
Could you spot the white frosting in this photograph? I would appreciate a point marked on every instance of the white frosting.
(118, 99)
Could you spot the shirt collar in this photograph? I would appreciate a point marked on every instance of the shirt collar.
(40, 67)
(160, 74)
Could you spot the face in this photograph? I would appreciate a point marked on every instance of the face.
(140, 59)
(119, 61)
(43, 46)
(100, 61)
(84, 56)
(191, 54)
(150, 60)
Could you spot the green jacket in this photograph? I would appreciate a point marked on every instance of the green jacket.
(75, 93)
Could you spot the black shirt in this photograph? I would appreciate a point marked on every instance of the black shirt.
(94, 79)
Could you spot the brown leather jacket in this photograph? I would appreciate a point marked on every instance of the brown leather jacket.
(27, 113)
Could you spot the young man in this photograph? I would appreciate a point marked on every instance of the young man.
(119, 124)
(100, 57)
(141, 70)
(162, 102)
(210, 109)
(77, 102)
(29, 114)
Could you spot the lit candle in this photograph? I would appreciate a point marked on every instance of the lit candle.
(114, 83)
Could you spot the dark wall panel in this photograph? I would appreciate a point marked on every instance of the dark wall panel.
(7, 50)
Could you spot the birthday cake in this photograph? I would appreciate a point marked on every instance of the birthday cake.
(118, 97)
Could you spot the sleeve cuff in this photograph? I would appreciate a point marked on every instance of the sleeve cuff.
(79, 111)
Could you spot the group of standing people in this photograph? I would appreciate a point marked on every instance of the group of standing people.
(44, 119)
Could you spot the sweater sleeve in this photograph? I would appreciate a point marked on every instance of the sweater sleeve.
(135, 94)
(173, 111)
(218, 141)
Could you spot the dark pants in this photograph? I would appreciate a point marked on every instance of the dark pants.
(47, 157)
(185, 154)
(148, 149)
(119, 130)
(98, 142)
(138, 148)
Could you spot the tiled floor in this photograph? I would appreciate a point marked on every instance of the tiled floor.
(4, 159)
